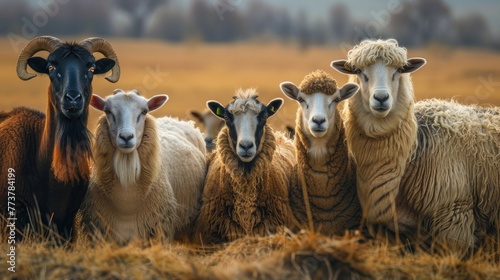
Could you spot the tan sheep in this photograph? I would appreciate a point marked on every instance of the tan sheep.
(429, 168)
(246, 189)
(326, 177)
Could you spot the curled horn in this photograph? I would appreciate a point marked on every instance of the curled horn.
(97, 44)
(42, 43)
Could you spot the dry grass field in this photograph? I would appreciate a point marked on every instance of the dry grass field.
(193, 73)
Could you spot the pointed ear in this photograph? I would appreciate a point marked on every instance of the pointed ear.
(103, 65)
(97, 102)
(274, 106)
(38, 64)
(343, 67)
(412, 65)
(348, 90)
(216, 108)
(196, 115)
(157, 101)
(290, 90)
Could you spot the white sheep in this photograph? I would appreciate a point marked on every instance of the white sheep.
(247, 184)
(326, 177)
(148, 173)
(429, 168)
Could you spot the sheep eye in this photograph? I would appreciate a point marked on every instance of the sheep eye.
(91, 69)
(365, 77)
(107, 111)
(51, 68)
(144, 112)
(299, 99)
(336, 100)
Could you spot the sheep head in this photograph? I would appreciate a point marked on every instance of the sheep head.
(126, 114)
(245, 118)
(318, 97)
(212, 125)
(378, 66)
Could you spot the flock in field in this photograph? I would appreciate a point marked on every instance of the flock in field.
(382, 163)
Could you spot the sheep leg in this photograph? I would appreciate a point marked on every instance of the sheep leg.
(453, 227)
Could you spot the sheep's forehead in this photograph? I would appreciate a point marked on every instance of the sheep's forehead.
(244, 106)
(318, 81)
(126, 101)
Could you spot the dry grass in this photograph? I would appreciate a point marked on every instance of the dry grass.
(281, 256)
(196, 73)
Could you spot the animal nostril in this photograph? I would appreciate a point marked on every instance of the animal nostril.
(381, 97)
(246, 145)
(208, 139)
(126, 137)
(70, 98)
(318, 120)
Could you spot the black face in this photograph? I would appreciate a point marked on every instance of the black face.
(71, 69)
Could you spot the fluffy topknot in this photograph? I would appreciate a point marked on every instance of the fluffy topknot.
(368, 51)
(318, 81)
(244, 100)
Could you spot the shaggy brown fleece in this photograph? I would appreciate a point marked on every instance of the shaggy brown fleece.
(318, 81)
(237, 203)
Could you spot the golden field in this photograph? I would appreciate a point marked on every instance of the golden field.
(193, 73)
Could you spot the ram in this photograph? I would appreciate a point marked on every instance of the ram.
(51, 153)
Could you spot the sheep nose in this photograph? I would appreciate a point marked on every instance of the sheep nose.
(246, 145)
(318, 120)
(381, 96)
(126, 136)
(73, 97)
(208, 139)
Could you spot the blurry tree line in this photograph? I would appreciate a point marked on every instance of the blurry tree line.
(414, 23)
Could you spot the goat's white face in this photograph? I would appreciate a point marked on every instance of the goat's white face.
(126, 115)
(318, 109)
(379, 83)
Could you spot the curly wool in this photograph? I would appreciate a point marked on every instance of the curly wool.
(237, 203)
(245, 99)
(318, 81)
(368, 51)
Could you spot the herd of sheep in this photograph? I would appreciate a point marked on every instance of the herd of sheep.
(381, 163)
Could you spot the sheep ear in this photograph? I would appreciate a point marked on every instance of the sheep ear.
(348, 90)
(97, 102)
(196, 115)
(274, 106)
(216, 108)
(290, 90)
(38, 64)
(344, 67)
(412, 65)
(291, 131)
(157, 101)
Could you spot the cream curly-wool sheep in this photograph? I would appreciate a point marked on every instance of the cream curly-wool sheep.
(323, 164)
(246, 189)
(148, 172)
(429, 168)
